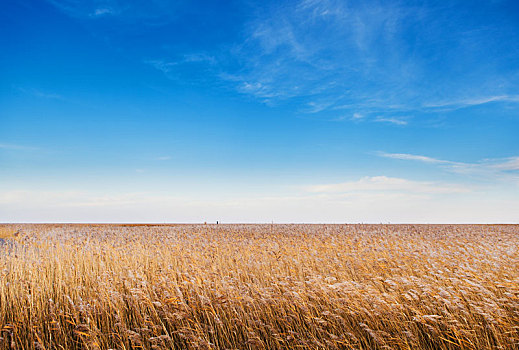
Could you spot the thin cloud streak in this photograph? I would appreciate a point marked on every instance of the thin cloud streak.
(102, 12)
(391, 184)
(457, 104)
(10, 146)
(509, 164)
(40, 94)
(497, 168)
(396, 121)
(155, 12)
(405, 156)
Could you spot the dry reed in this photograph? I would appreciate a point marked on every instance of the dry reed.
(258, 287)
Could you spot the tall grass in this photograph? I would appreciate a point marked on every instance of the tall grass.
(7, 232)
(258, 287)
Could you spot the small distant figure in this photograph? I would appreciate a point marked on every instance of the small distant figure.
(217, 222)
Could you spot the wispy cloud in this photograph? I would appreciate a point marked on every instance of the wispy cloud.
(15, 147)
(40, 94)
(508, 164)
(166, 66)
(161, 65)
(296, 52)
(391, 120)
(102, 12)
(405, 156)
(163, 158)
(357, 54)
(358, 116)
(335, 57)
(316, 107)
(362, 117)
(72, 198)
(469, 102)
(492, 168)
(147, 12)
(198, 67)
(384, 183)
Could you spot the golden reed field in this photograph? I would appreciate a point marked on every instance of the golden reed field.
(259, 287)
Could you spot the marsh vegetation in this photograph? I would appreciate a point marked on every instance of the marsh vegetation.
(260, 287)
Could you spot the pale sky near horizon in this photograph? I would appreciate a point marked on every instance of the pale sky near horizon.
(259, 111)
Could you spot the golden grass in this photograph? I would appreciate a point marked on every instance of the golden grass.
(258, 287)
(7, 232)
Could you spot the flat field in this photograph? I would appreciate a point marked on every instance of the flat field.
(259, 287)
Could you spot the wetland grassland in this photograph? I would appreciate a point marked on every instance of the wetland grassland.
(259, 286)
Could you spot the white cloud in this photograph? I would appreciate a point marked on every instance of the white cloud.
(318, 48)
(146, 12)
(198, 57)
(392, 184)
(507, 164)
(493, 169)
(406, 156)
(351, 53)
(40, 94)
(102, 11)
(340, 55)
(167, 66)
(475, 101)
(14, 147)
(316, 107)
(161, 65)
(196, 67)
(391, 120)
(71, 198)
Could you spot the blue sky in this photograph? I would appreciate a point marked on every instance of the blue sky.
(285, 111)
